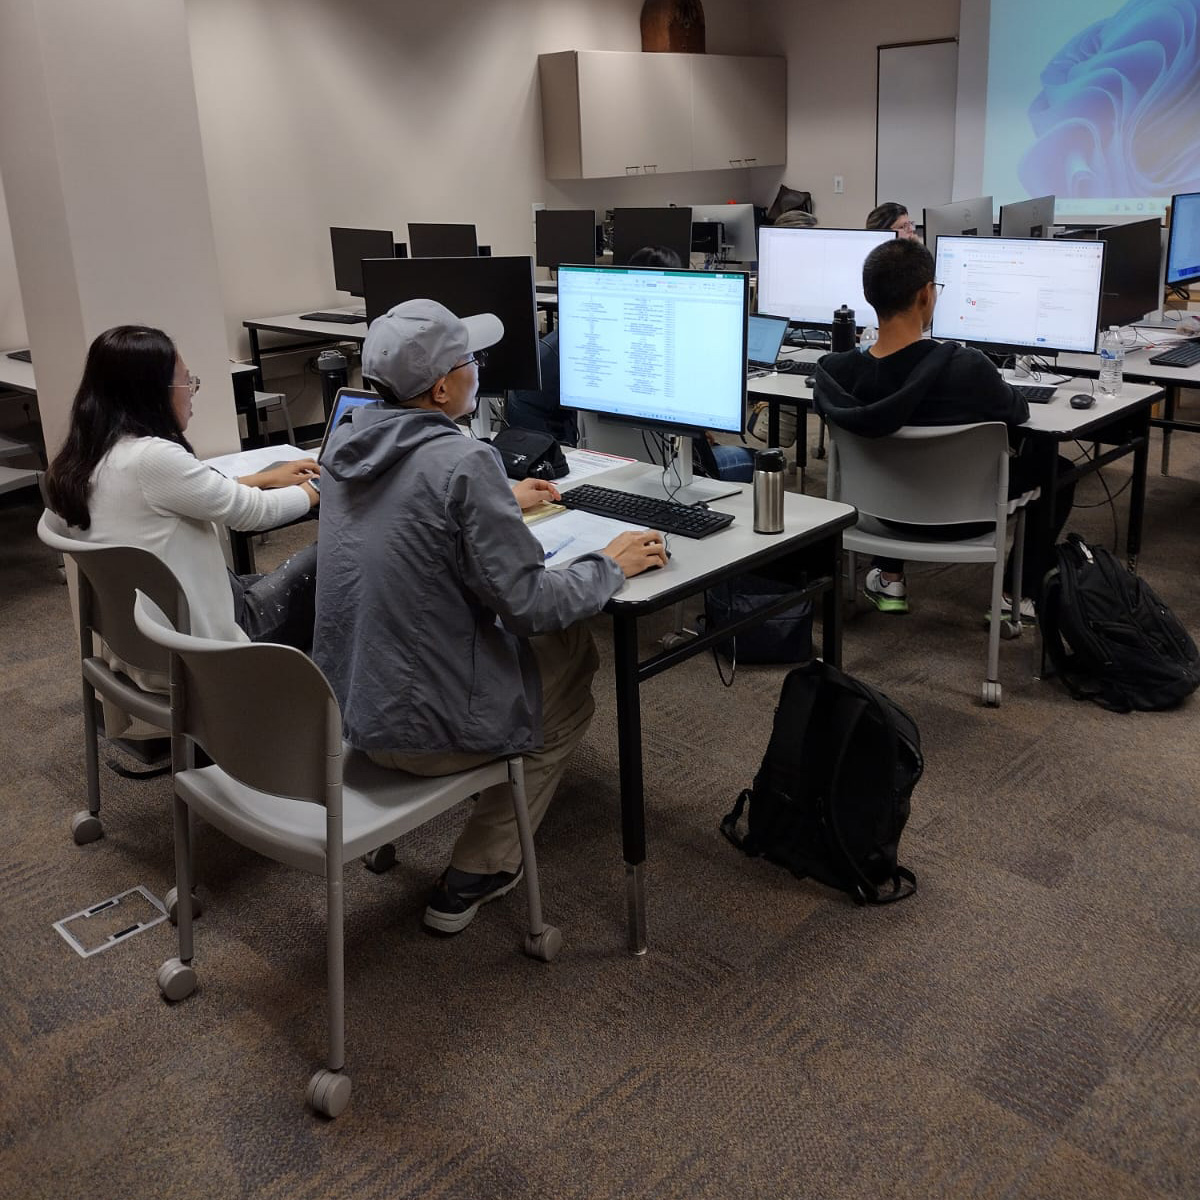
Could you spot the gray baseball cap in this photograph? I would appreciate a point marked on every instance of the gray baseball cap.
(413, 345)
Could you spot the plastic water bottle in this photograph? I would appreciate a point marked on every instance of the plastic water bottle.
(1112, 361)
(868, 338)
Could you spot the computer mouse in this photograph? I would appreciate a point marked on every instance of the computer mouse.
(1082, 400)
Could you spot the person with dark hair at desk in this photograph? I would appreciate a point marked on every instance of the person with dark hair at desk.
(127, 475)
(890, 215)
(446, 639)
(908, 379)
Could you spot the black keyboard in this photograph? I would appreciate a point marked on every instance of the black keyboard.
(1034, 393)
(21, 355)
(1186, 354)
(667, 516)
(336, 318)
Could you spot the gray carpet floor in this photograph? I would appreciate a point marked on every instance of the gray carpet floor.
(1027, 1026)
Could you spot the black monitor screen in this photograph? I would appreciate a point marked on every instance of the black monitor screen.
(635, 228)
(467, 286)
(1131, 271)
(565, 235)
(1183, 241)
(350, 247)
(441, 241)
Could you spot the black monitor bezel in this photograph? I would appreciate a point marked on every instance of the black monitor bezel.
(678, 237)
(1176, 283)
(347, 266)
(564, 235)
(1151, 284)
(442, 239)
(500, 284)
(671, 427)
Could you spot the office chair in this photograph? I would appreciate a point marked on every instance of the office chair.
(284, 784)
(937, 475)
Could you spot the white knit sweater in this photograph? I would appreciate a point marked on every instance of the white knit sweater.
(152, 493)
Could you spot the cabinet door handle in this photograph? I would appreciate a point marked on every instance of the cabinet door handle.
(749, 161)
(651, 168)
(632, 170)
(733, 162)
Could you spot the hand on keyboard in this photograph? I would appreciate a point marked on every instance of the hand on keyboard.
(637, 551)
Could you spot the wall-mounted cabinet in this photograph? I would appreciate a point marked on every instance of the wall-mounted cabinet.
(608, 113)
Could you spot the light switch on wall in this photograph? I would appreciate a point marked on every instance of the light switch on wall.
(838, 185)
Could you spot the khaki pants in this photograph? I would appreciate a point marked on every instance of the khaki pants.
(489, 843)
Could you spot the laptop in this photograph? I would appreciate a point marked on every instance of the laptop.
(344, 402)
(764, 336)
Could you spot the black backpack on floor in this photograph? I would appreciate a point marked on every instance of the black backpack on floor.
(832, 795)
(1110, 638)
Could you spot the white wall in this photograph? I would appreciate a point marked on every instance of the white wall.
(831, 52)
(374, 113)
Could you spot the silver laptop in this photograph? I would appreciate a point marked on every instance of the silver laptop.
(764, 336)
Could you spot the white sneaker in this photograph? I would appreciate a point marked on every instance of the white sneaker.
(1027, 609)
(887, 596)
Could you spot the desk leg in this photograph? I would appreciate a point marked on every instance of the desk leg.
(255, 353)
(1039, 531)
(1137, 492)
(831, 608)
(772, 423)
(1170, 399)
(633, 801)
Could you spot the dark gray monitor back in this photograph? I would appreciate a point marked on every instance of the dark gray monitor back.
(350, 247)
(1132, 277)
(426, 240)
(565, 235)
(634, 228)
(466, 286)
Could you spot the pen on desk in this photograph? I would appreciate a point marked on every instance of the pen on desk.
(560, 546)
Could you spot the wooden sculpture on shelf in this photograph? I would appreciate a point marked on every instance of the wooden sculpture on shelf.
(673, 25)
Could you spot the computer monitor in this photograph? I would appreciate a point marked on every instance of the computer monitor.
(441, 241)
(466, 286)
(738, 220)
(565, 235)
(656, 348)
(1132, 272)
(634, 228)
(1017, 295)
(1028, 218)
(962, 218)
(350, 247)
(1183, 240)
(806, 274)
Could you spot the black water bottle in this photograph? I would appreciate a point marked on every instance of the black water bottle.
(843, 330)
(334, 376)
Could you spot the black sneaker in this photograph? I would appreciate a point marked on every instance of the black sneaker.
(456, 897)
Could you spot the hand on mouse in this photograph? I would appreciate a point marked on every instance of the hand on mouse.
(637, 551)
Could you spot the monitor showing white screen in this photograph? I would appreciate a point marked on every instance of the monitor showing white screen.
(1183, 240)
(1019, 293)
(661, 348)
(806, 274)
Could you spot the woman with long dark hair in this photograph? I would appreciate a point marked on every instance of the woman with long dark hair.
(126, 474)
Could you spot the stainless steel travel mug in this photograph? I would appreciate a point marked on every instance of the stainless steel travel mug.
(768, 491)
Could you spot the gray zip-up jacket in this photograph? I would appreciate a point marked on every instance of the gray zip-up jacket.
(429, 584)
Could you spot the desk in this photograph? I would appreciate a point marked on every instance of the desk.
(812, 545)
(1138, 369)
(1122, 422)
(17, 376)
(795, 390)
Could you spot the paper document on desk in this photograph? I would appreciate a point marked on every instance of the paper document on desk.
(573, 533)
(584, 463)
(249, 462)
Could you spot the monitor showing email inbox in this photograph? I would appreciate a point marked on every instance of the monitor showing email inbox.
(1019, 294)
(657, 347)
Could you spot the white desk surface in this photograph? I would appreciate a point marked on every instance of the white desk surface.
(694, 558)
(1058, 417)
(1137, 360)
(17, 375)
(291, 323)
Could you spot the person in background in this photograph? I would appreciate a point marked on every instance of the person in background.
(795, 218)
(891, 215)
(126, 474)
(906, 378)
(445, 638)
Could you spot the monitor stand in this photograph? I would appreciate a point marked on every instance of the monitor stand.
(680, 485)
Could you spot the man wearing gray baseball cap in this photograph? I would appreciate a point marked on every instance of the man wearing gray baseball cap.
(446, 640)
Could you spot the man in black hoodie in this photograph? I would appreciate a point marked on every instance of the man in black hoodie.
(907, 379)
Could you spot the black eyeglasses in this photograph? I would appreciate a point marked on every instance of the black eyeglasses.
(937, 285)
(479, 358)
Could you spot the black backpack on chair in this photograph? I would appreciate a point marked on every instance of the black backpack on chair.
(832, 795)
(1110, 638)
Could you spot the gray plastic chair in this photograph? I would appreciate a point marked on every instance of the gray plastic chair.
(933, 475)
(108, 577)
(285, 785)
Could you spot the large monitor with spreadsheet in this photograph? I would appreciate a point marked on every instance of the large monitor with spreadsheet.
(467, 286)
(634, 228)
(1132, 271)
(665, 349)
(1028, 218)
(1017, 295)
(350, 247)
(1183, 241)
(805, 274)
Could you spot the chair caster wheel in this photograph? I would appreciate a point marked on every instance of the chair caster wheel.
(176, 980)
(382, 858)
(171, 900)
(818, 452)
(991, 694)
(328, 1093)
(544, 945)
(1010, 630)
(86, 828)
